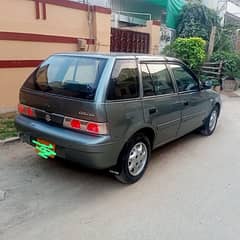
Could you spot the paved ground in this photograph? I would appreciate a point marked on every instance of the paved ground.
(190, 191)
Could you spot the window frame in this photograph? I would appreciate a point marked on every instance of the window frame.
(189, 71)
(110, 79)
(175, 90)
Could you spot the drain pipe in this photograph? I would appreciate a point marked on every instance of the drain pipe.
(91, 26)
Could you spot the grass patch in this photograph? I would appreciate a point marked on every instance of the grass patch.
(7, 127)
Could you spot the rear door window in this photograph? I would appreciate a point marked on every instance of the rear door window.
(69, 76)
(156, 79)
(124, 83)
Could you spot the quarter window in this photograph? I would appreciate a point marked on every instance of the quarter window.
(124, 82)
(185, 81)
(156, 79)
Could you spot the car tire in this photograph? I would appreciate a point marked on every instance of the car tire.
(133, 160)
(211, 122)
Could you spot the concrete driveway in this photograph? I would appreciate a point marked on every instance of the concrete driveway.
(191, 190)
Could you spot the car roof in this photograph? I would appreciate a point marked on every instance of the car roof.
(117, 55)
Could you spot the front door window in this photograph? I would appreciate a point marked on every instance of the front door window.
(185, 81)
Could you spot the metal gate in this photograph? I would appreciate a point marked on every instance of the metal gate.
(129, 41)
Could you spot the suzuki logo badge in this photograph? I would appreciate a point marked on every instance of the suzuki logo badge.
(48, 118)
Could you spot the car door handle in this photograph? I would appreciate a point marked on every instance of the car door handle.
(152, 110)
(185, 103)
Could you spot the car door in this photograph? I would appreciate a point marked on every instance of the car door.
(194, 101)
(123, 103)
(161, 103)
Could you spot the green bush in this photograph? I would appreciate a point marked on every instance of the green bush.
(231, 63)
(189, 50)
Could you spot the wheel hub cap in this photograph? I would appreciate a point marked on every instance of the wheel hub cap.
(213, 121)
(137, 159)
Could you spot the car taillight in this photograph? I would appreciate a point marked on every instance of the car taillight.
(75, 123)
(26, 110)
(93, 127)
(30, 112)
(85, 126)
(21, 108)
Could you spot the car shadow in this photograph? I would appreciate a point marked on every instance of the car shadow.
(175, 144)
(47, 187)
(103, 176)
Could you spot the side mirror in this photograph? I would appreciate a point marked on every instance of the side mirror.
(207, 84)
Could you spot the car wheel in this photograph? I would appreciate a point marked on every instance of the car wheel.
(133, 159)
(210, 125)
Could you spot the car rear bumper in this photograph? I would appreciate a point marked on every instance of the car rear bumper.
(97, 152)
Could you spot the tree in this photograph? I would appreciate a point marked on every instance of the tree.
(225, 38)
(197, 20)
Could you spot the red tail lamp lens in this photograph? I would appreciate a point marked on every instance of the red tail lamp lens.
(21, 108)
(93, 127)
(85, 126)
(75, 124)
(30, 112)
(27, 111)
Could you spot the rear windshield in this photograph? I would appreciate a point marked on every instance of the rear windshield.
(69, 76)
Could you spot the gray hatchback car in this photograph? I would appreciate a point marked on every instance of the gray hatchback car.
(109, 111)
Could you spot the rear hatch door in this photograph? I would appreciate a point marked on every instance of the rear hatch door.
(65, 85)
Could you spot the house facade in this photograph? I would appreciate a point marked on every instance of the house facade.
(31, 30)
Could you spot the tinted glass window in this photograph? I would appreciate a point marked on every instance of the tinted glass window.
(156, 80)
(148, 88)
(185, 81)
(68, 75)
(124, 82)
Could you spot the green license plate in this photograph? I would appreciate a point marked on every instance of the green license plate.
(44, 148)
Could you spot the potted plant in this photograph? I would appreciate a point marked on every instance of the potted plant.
(230, 68)
(230, 84)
